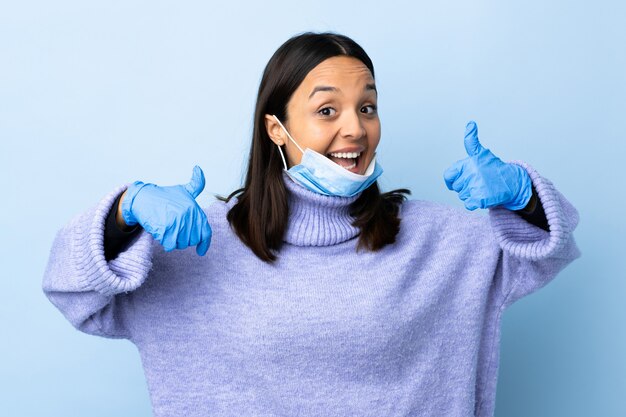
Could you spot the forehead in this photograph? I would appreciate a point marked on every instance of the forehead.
(338, 71)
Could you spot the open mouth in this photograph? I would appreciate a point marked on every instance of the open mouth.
(348, 160)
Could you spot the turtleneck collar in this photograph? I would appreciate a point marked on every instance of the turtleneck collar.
(316, 219)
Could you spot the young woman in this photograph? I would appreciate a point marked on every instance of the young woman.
(310, 292)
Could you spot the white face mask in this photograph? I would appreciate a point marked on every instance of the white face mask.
(323, 176)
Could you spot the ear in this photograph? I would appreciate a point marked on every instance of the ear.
(274, 130)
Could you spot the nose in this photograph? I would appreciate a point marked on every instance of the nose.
(352, 126)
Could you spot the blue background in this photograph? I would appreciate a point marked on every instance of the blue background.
(96, 94)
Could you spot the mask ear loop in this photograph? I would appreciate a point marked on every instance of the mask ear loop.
(283, 157)
(289, 136)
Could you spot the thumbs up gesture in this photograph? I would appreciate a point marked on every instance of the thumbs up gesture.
(170, 214)
(483, 180)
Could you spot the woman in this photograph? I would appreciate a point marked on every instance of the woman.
(314, 293)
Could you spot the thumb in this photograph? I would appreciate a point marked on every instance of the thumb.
(196, 185)
(472, 145)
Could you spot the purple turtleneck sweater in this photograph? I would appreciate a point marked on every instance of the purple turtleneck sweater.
(413, 329)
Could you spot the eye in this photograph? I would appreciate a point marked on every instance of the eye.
(326, 111)
(372, 107)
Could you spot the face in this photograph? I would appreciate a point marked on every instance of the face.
(333, 110)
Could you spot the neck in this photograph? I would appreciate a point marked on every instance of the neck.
(316, 219)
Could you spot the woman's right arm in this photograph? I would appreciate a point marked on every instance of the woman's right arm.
(117, 235)
(83, 284)
(95, 260)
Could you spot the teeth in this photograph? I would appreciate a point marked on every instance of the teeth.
(349, 155)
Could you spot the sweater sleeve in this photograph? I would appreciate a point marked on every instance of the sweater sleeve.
(531, 256)
(91, 292)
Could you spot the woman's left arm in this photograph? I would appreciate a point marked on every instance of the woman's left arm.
(533, 256)
(536, 237)
(534, 213)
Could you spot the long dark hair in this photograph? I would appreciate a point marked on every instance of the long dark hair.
(260, 215)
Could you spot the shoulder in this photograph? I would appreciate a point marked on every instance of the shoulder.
(446, 228)
(217, 210)
(442, 215)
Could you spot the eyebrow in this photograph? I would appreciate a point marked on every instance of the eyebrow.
(368, 87)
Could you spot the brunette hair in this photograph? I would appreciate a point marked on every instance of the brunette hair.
(259, 217)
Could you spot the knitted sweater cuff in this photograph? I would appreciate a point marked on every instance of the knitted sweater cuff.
(124, 273)
(523, 239)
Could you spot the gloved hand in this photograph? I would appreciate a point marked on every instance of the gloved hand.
(170, 214)
(483, 180)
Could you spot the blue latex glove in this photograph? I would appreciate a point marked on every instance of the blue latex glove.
(483, 180)
(170, 214)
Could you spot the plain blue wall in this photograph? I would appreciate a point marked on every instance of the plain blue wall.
(96, 94)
